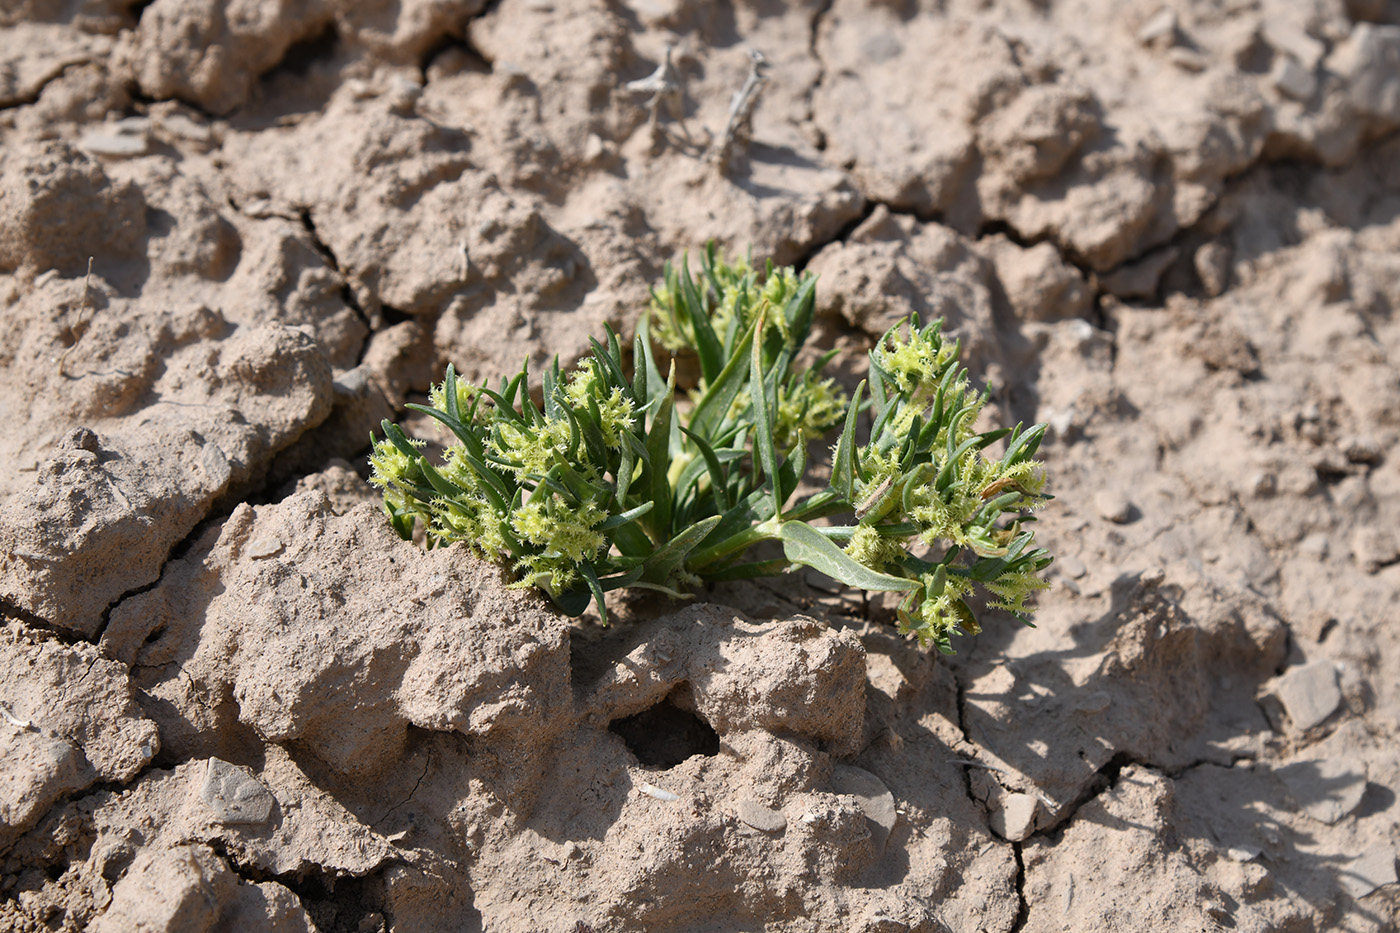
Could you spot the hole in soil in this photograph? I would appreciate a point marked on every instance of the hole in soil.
(304, 79)
(666, 735)
(335, 904)
(302, 56)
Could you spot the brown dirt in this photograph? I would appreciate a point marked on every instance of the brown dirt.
(233, 700)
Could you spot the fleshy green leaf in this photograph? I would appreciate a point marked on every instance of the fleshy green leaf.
(659, 461)
(710, 411)
(804, 545)
(718, 480)
(622, 518)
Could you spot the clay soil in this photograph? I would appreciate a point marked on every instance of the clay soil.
(232, 700)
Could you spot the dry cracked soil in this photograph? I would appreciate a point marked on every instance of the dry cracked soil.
(234, 236)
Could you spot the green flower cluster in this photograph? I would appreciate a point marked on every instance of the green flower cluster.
(522, 481)
(808, 406)
(924, 477)
(607, 484)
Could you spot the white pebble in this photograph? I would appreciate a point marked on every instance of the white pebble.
(264, 547)
(651, 790)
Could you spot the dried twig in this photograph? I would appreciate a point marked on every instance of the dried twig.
(666, 90)
(741, 108)
(83, 304)
(14, 720)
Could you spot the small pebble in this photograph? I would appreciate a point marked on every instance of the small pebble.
(1113, 506)
(1373, 548)
(1212, 262)
(1161, 25)
(594, 148)
(182, 126)
(1362, 450)
(651, 790)
(1315, 545)
(234, 795)
(1187, 60)
(264, 547)
(755, 814)
(1015, 818)
(359, 89)
(113, 144)
(1309, 693)
(1247, 853)
(872, 796)
(1292, 79)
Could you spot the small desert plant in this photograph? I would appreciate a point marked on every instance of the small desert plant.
(608, 482)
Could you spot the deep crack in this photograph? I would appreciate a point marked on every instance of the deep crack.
(1023, 906)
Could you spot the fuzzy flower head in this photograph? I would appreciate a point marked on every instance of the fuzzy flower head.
(563, 535)
(437, 396)
(614, 408)
(391, 467)
(918, 361)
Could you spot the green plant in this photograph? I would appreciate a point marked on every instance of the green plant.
(607, 482)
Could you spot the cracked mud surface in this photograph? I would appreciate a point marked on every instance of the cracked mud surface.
(234, 700)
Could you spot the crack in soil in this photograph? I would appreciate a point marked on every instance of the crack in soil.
(373, 321)
(817, 18)
(12, 610)
(327, 896)
(427, 763)
(1023, 906)
(28, 100)
(967, 738)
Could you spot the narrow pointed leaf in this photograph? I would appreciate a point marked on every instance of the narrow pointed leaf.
(400, 440)
(718, 480)
(469, 440)
(709, 413)
(590, 577)
(640, 393)
(492, 485)
(449, 392)
(672, 554)
(440, 483)
(843, 461)
(622, 518)
(707, 345)
(763, 439)
(659, 461)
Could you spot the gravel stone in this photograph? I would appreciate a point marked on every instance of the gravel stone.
(755, 814)
(1309, 694)
(1015, 818)
(234, 795)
